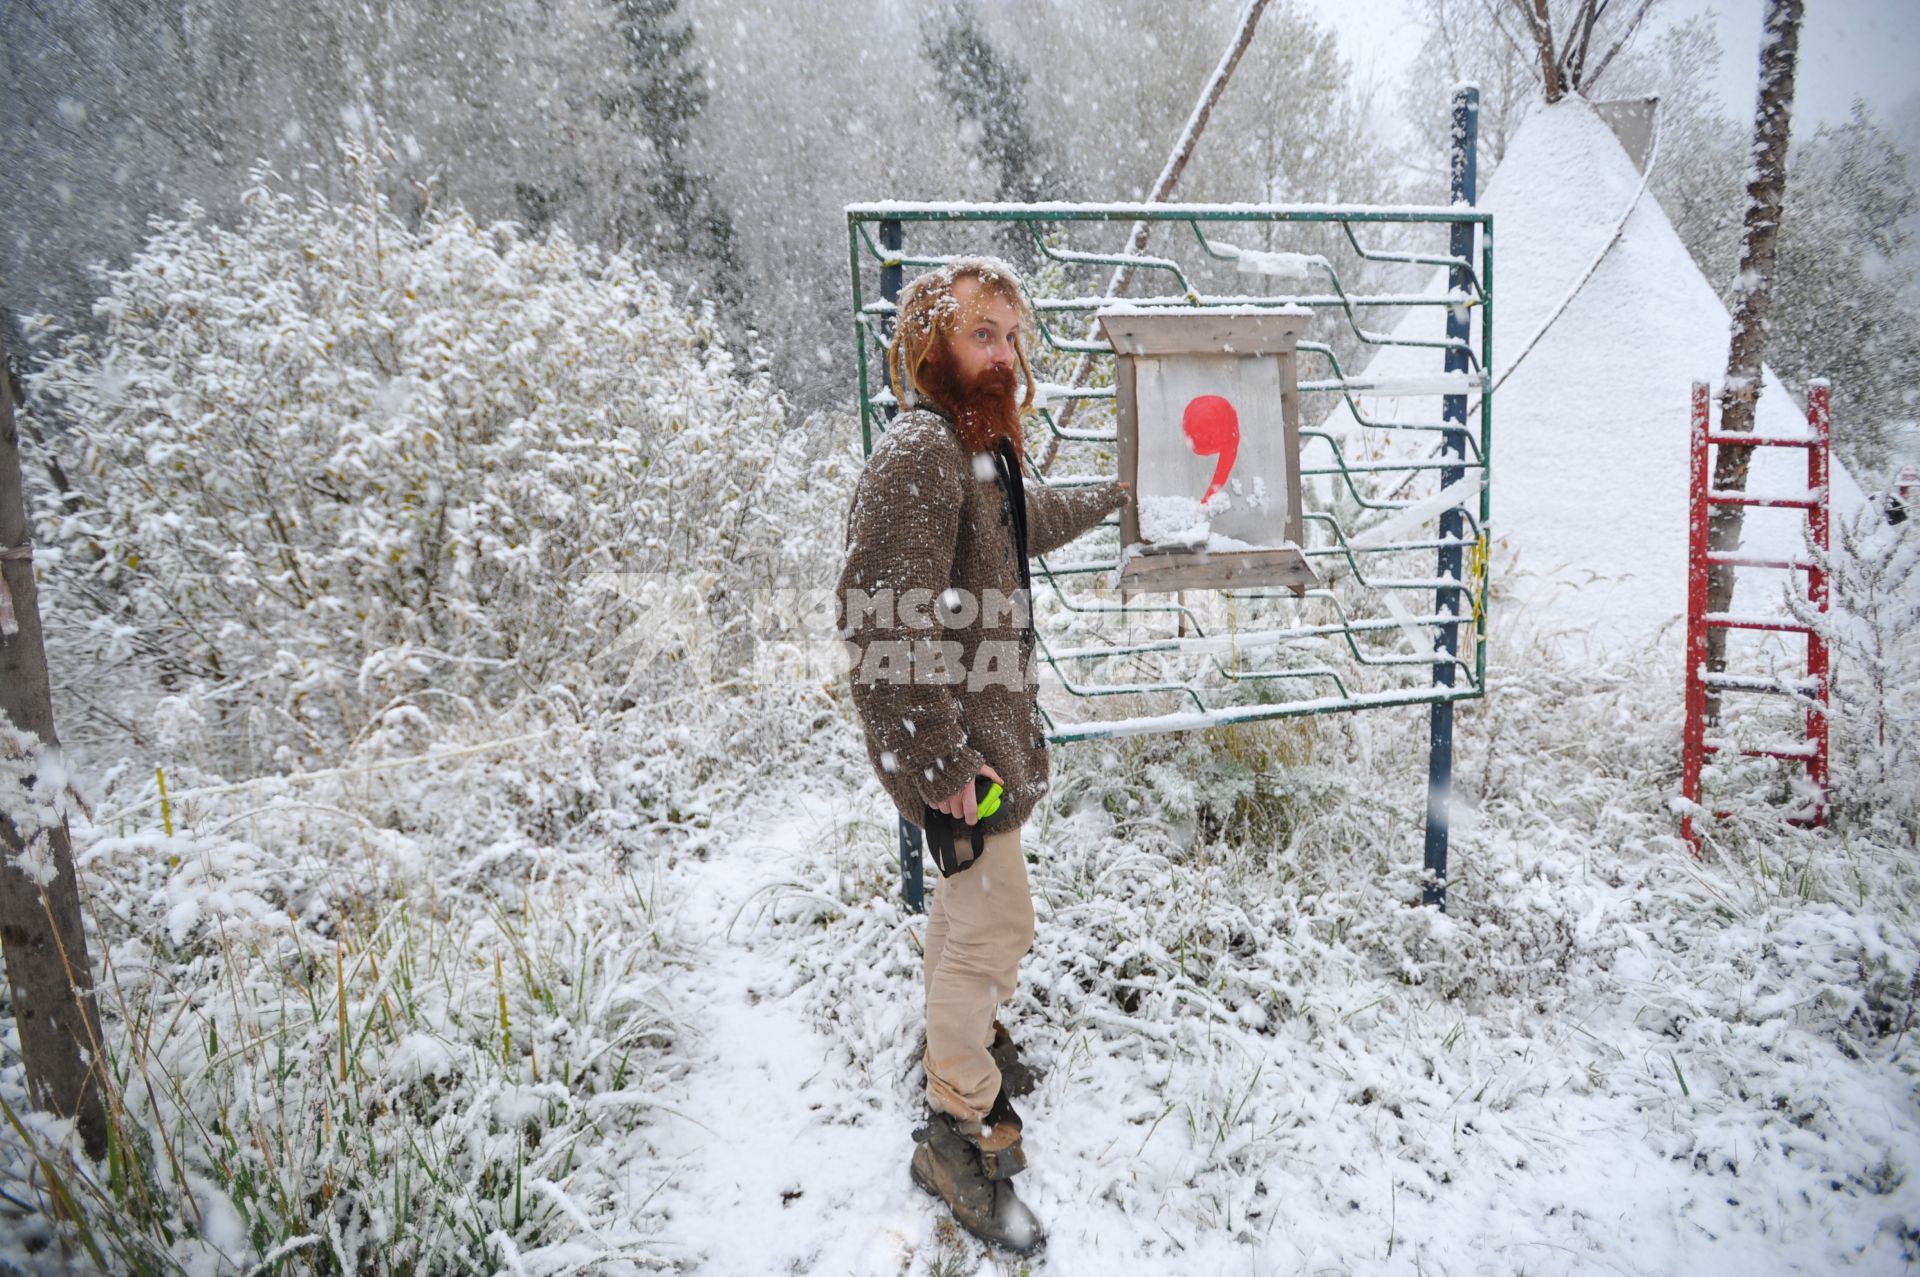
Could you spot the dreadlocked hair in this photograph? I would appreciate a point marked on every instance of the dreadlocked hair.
(927, 312)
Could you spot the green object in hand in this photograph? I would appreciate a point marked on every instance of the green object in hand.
(988, 797)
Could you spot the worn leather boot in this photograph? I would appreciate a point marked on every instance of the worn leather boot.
(951, 1166)
(1002, 1155)
(1016, 1077)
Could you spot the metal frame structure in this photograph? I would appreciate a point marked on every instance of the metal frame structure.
(1813, 689)
(1362, 619)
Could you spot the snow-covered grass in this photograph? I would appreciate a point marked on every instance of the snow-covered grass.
(1604, 1054)
(414, 1012)
(414, 553)
(408, 1020)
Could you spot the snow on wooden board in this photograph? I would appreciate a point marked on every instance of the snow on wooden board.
(1591, 429)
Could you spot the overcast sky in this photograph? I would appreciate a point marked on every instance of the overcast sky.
(1848, 48)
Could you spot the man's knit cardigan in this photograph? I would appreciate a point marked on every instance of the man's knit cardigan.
(927, 517)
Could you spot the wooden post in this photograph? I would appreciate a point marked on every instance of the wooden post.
(46, 950)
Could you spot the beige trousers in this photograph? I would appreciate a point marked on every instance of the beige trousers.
(979, 926)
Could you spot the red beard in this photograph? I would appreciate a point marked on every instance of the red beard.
(984, 410)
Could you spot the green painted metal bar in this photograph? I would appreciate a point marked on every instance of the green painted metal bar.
(860, 345)
(892, 259)
(1082, 436)
(1340, 297)
(1245, 714)
(1070, 257)
(1346, 628)
(908, 211)
(1326, 352)
(1365, 254)
(1087, 305)
(1419, 259)
(1346, 625)
(1306, 301)
(871, 317)
(1193, 645)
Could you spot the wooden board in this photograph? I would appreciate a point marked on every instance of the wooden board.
(1217, 330)
(1229, 570)
(1226, 338)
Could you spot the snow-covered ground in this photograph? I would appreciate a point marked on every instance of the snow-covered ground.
(1269, 1059)
(1261, 1054)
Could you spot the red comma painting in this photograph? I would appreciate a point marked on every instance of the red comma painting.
(1212, 450)
(1212, 428)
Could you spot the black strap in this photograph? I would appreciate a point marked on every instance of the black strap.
(943, 832)
(1007, 462)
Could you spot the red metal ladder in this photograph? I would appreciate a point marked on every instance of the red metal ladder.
(1813, 751)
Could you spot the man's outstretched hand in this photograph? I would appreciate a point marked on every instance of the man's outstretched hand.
(965, 803)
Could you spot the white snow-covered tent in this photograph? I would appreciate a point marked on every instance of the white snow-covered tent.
(1590, 429)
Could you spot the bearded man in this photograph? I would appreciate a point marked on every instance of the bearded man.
(935, 603)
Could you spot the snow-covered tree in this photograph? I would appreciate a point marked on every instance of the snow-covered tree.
(1114, 82)
(1766, 181)
(1571, 43)
(821, 104)
(1696, 175)
(1479, 41)
(1846, 309)
(662, 97)
(117, 113)
(988, 90)
(1462, 43)
(328, 463)
(1874, 633)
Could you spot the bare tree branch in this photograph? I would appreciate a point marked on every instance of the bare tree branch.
(1576, 63)
(1581, 15)
(1525, 52)
(1594, 79)
(1540, 23)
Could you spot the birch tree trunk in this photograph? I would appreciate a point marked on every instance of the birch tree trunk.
(1753, 294)
(40, 927)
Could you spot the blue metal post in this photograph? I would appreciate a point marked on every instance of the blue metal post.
(1466, 129)
(913, 891)
(892, 238)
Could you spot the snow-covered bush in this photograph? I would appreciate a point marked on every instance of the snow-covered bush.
(328, 462)
(486, 518)
(1874, 633)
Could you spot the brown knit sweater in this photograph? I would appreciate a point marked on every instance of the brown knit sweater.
(935, 695)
